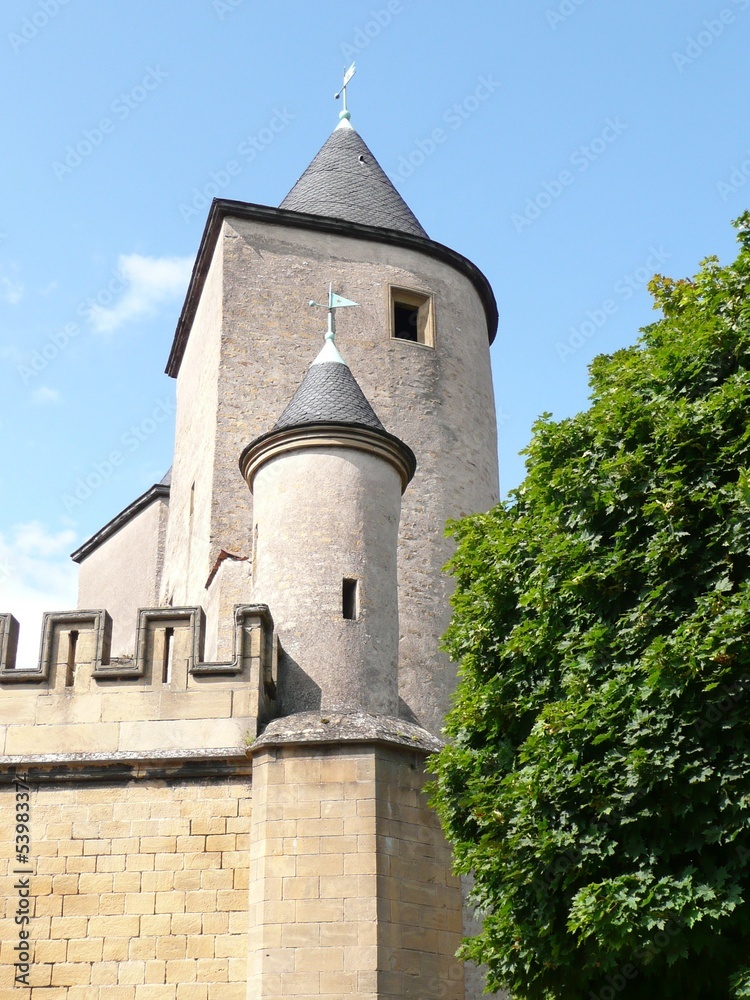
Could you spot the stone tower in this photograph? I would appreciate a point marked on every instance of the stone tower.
(225, 758)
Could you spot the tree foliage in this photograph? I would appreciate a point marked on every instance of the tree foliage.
(597, 782)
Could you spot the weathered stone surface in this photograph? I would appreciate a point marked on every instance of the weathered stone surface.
(79, 705)
(191, 545)
(345, 727)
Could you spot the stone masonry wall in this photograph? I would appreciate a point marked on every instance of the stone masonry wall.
(139, 891)
(419, 905)
(351, 891)
(343, 503)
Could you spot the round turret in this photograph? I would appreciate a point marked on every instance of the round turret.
(327, 484)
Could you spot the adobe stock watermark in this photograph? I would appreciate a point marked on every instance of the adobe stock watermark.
(42, 357)
(454, 117)
(23, 869)
(121, 109)
(627, 973)
(130, 441)
(224, 7)
(703, 39)
(623, 290)
(34, 23)
(737, 179)
(730, 694)
(247, 151)
(581, 158)
(367, 33)
(57, 342)
(448, 985)
(563, 11)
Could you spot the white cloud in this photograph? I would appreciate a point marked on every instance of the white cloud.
(33, 538)
(44, 395)
(149, 281)
(10, 353)
(11, 291)
(36, 575)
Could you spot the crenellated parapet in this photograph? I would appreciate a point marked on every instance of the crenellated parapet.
(165, 698)
(60, 634)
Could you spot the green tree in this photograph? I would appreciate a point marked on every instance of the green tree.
(597, 781)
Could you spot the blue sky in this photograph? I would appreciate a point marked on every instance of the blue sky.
(583, 146)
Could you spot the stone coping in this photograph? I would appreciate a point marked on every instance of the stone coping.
(342, 726)
(221, 754)
(119, 769)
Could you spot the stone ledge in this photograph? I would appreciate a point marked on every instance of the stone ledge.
(345, 727)
(121, 766)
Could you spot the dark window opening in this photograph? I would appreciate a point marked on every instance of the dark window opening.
(166, 671)
(412, 317)
(405, 322)
(70, 674)
(349, 607)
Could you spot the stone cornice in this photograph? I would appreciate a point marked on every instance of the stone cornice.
(124, 767)
(328, 435)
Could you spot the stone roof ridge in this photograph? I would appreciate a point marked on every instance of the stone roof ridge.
(329, 393)
(345, 181)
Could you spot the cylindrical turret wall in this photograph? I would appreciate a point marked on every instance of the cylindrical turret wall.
(325, 526)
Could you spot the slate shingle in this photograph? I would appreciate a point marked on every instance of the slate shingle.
(329, 393)
(345, 181)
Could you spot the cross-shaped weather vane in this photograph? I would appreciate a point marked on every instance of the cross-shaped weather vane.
(348, 74)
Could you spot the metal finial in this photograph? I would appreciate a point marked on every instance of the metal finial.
(330, 351)
(348, 74)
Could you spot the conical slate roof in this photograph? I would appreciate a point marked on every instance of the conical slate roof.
(329, 405)
(329, 393)
(345, 181)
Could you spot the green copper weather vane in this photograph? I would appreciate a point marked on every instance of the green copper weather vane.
(348, 74)
(330, 351)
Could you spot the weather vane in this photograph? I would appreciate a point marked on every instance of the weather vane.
(348, 74)
(334, 302)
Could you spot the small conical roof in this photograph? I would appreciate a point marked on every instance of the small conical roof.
(329, 393)
(328, 404)
(345, 181)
